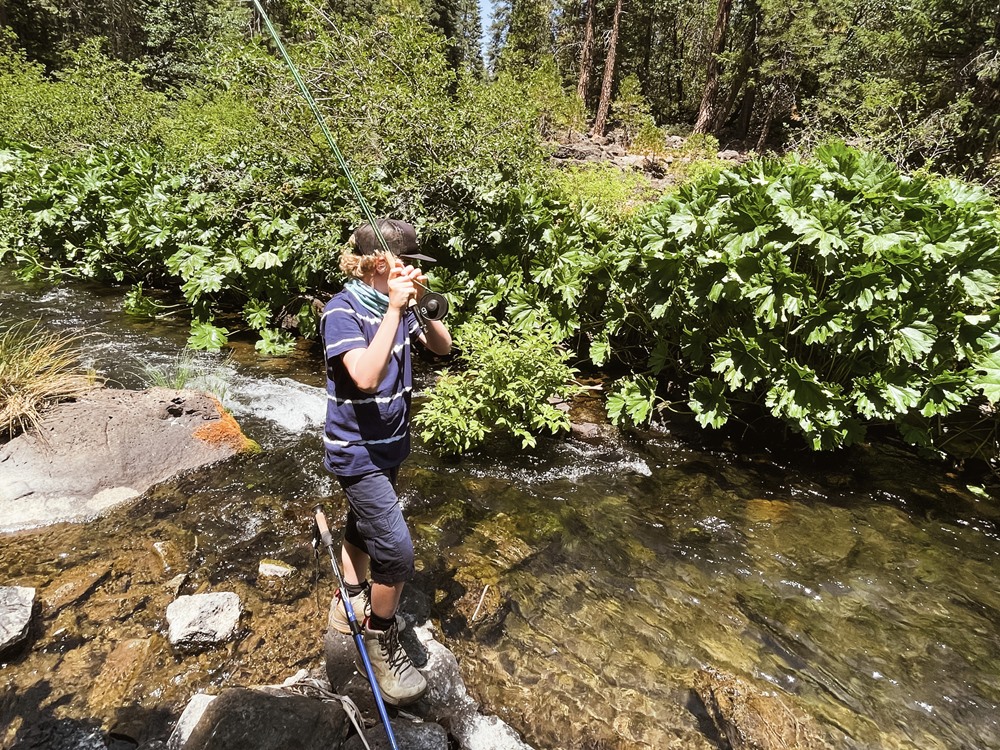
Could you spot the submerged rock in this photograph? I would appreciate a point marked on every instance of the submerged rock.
(108, 447)
(201, 621)
(268, 568)
(750, 718)
(16, 605)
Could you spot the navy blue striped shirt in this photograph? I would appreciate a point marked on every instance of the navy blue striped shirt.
(365, 431)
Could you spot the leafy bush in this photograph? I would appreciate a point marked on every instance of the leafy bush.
(509, 387)
(217, 231)
(836, 294)
(531, 256)
(94, 101)
(633, 113)
(404, 117)
(37, 368)
(615, 194)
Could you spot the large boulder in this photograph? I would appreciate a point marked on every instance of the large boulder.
(16, 605)
(244, 719)
(106, 448)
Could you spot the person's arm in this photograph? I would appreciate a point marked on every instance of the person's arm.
(436, 337)
(367, 367)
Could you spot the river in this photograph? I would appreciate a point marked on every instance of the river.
(583, 585)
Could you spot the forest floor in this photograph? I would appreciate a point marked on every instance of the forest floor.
(663, 169)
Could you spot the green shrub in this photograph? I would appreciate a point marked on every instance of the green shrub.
(219, 233)
(510, 385)
(835, 294)
(556, 110)
(616, 194)
(94, 101)
(634, 115)
(531, 256)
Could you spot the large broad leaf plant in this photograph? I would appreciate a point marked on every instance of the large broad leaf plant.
(835, 293)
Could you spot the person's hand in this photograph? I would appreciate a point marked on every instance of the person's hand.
(419, 281)
(401, 285)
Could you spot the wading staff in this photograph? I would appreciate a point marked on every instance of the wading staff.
(323, 530)
(433, 306)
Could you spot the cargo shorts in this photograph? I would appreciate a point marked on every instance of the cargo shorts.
(375, 524)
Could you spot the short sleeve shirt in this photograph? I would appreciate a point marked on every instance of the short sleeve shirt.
(365, 431)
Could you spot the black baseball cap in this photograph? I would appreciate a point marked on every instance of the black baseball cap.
(400, 237)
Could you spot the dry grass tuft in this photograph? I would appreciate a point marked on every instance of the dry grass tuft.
(37, 368)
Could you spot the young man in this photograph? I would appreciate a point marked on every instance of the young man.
(367, 332)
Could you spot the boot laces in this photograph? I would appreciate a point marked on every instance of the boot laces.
(395, 656)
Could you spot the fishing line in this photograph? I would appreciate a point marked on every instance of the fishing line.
(341, 161)
(432, 306)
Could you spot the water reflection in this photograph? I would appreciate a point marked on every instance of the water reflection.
(582, 585)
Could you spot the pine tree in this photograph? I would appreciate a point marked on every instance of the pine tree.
(707, 113)
(607, 83)
(470, 36)
(521, 32)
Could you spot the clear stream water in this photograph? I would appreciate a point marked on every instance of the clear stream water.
(583, 585)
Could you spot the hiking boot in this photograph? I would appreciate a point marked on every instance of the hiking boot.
(361, 604)
(399, 681)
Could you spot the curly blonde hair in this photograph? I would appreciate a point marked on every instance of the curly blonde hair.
(358, 266)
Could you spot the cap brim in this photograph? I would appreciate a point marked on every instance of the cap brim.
(418, 256)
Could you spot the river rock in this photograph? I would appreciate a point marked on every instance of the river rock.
(16, 605)
(747, 717)
(189, 719)
(200, 621)
(108, 447)
(268, 568)
(244, 719)
(408, 734)
(448, 702)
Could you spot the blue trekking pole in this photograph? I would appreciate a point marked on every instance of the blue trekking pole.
(324, 534)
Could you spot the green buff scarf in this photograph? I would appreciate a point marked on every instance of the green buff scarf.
(372, 299)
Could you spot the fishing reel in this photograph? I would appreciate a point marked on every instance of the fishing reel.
(432, 306)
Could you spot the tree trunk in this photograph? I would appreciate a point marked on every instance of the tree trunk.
(707, 116)
(678, 48)
(744, 80)
(586, 54)
(647, 51)
(600, 121)
(765, 128)
(746, 109)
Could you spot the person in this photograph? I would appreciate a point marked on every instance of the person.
(367, 331)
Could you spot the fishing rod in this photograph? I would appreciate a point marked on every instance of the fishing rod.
(322, 530)
(432, 306)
